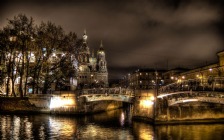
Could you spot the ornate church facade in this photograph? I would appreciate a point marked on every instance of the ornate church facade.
(92, 70)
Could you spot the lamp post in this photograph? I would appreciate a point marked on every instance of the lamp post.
(156, 93)
(91, 81)
(217, 72)
(201, 78)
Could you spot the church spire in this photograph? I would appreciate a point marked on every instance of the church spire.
(101, 46)
(93, 53)
(85, 36)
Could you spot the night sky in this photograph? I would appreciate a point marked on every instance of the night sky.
(136, 34)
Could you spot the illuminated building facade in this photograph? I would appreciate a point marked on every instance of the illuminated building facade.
(207, 77)
(170, 76)
(142, 79)
(92, 71)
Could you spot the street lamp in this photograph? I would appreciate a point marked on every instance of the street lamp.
(155, 96)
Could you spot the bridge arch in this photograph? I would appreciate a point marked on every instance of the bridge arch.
(198, 99)
(182, 97)
(107, 97)
(107, 94)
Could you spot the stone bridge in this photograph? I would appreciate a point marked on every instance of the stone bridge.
(195, 85)
(106, 94)
(181, 97)
(189, 105)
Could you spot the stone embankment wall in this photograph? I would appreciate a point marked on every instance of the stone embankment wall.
(64, 103)
(190, 111)
(16, 105)
(143, 106)
(91, 107)
(80, 106)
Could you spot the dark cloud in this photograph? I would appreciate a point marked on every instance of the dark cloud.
(136, 33)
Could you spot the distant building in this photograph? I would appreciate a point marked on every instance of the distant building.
(170, 76)
(142, 79)
(92, 71)
(209, 76)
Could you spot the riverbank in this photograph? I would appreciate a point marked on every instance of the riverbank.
(15, 104)
(177, 122)
(41, 105)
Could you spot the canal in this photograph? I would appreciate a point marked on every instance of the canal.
(112, 125)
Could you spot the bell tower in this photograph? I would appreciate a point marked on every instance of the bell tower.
(84, 52)
(101, 59)
(83, 63)
(102, 75)
(92, 69)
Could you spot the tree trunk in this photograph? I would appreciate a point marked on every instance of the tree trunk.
(13, 88)
(45, 88)
(21, 74)
(27, 73)
(7, 87)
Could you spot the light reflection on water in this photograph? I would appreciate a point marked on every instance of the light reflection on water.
(106, 126)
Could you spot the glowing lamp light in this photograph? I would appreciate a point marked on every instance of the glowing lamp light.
(210, 69)
(152, 98)
(172, 77)
(190, 100)
(146, 103)
(57, 102)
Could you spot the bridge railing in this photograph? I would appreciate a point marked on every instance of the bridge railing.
(189, 96)
(103, 97)
(193, 94)
(194, 85)
(121, 91)
(196, 99)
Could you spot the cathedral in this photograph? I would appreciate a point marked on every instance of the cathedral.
(92, 70)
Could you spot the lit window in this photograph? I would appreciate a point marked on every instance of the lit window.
(32, 57)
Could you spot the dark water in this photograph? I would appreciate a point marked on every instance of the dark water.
(112, 125)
